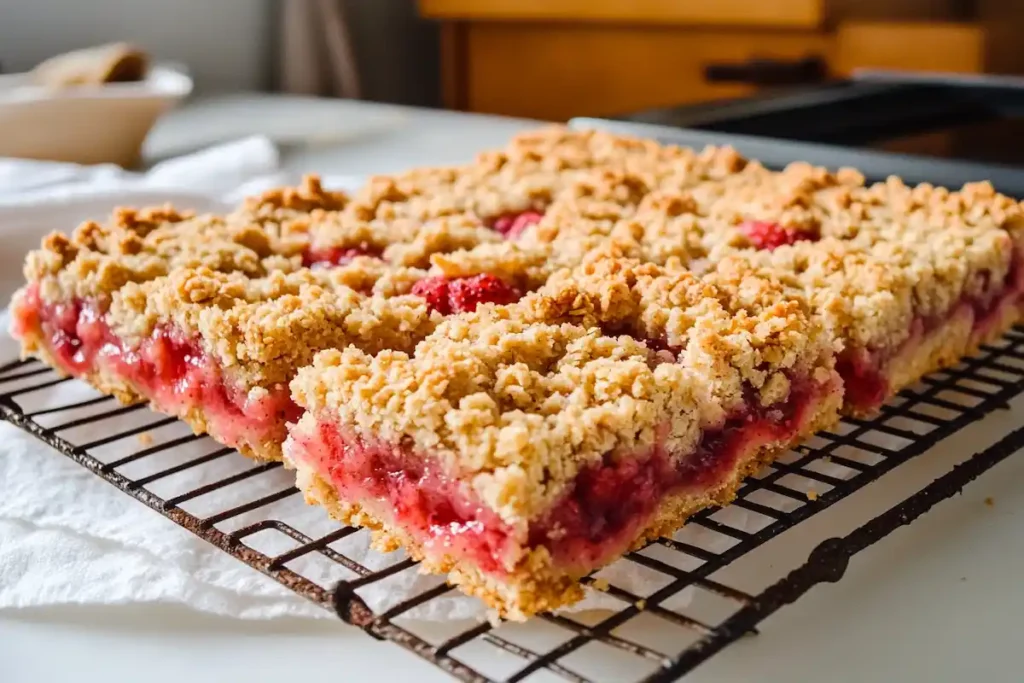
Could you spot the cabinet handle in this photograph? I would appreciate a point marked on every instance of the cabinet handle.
(766, 72)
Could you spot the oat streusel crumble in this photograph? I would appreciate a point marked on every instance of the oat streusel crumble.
(522, 446)
(521, 367)
(209, 317)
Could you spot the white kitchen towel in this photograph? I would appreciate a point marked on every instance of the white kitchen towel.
(68, 537)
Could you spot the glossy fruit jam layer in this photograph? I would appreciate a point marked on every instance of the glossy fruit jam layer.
(328, 257)
(168, 369)
(605, 510)
(866, 373)
(463, 294)
(770, 236)
(511, 225)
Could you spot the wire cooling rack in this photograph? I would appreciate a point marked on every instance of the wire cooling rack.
(695, 608)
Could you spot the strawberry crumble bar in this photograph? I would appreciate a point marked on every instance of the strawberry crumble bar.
(908, 280)
(520, 368)
(521, 447)
(208, 318)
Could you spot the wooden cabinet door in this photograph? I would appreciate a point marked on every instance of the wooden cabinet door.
(910, 46)
(557, 71)
(776, 13)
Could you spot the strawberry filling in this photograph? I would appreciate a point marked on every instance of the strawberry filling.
(462, 295)
(601, 514)
(769, 236)
(327, 257)
(866, 373)
(609, 505)
(865, 387)
(167, 368)
(511, 225)
(414, 492)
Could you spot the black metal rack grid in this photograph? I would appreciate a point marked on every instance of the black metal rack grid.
(697, 610)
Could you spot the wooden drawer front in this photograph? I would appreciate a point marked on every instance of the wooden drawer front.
(947, 47)
(778, 13)
(557, 71)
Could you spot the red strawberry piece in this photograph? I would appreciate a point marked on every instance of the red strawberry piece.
(435, 291)
(768, 235)
(326, 257)
(67, 315)
(465, 294)
(512, 224)
(64, 338)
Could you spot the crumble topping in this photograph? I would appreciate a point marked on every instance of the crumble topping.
(663, 290)
(284, 202)
(439, 237)
(514, 407)
(516, 399)
(735, 325)
(526, 267)
(870, 297)
(531, 171)
(262, 329)
(612, 226)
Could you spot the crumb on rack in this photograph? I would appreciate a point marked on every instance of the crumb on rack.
(494, 618)
(641, 604)
(812, 495)
(990, 501)
(146, 439)
(600, 585)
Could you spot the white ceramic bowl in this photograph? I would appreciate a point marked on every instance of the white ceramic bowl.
(85, 124)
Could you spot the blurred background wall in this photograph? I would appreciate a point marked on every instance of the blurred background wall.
(224, 42)
(546, 59)
(229, 45)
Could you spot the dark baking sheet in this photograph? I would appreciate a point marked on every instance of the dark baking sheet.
(936, 128)
(876, 165)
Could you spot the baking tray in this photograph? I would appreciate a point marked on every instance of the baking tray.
(875, 165)
(946, 129)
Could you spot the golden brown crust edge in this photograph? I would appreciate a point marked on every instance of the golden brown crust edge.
(944, 347)
(534, 587)
(127, 393)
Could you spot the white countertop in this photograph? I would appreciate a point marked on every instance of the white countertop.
(334, 136)
(940, 600)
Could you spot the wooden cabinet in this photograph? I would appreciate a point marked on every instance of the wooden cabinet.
(554, 59)
(776, 13)
(945, 47)
(556, 72)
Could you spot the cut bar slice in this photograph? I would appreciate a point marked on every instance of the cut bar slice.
(908, 280)
(165, 367)
(521, 447)
(903, 310)
(214, 349)
(208, 318)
